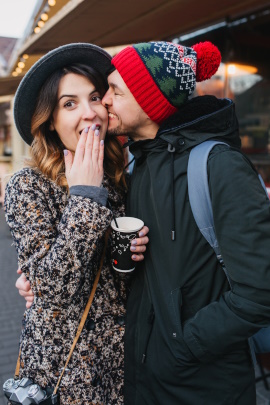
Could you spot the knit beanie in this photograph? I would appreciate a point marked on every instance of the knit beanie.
(162, 75)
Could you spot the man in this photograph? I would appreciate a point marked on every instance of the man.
(186, 331)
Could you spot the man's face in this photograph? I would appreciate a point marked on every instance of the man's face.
(126, 117)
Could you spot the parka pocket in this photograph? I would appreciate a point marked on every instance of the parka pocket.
(148, 331)
(175, 310)
(176, 339)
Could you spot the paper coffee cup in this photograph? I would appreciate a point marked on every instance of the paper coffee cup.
(128, 228)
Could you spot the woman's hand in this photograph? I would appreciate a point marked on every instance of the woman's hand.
(86, 168)
(24, 288)
(138, 245)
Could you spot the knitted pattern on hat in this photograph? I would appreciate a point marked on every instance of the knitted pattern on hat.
(162, 75)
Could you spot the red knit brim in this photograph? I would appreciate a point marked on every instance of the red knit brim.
(142, 85)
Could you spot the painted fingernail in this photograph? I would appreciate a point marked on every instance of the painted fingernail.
(133, 248)
(65, 152)
(86, 130)
(134, 242)
(141, 234)
(134, 257)
(97, 132)
(102, 142)
(93, 127)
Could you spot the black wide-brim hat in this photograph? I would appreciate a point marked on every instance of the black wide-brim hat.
(28, 90)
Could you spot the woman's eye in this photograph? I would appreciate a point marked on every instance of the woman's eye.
(96, 98)
(69, 104)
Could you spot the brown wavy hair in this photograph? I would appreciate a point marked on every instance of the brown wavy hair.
(46, 152)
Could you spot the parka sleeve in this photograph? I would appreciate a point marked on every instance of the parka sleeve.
(241, 212)
(54, 256)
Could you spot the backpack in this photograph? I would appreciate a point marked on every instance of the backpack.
(200, 202)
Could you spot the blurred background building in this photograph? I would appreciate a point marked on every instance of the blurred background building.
(240, 29)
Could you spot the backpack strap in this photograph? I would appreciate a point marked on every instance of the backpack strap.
(201, 207)
(199, 195)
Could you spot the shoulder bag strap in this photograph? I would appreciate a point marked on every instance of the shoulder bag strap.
(84, 316)
(86, 311)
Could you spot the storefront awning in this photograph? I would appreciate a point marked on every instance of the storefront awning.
(8, 85)
(108, 23)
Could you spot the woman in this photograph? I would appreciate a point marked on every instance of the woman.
(57, 212)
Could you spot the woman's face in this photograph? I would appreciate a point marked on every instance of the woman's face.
(79, 106)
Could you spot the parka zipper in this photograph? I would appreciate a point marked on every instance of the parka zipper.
(171, 149)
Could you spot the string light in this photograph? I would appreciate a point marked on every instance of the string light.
(21, 65)
(18, 70)
(44, 17)
(14, 74)
(25, 56)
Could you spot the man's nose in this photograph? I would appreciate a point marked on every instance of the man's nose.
(106, 101)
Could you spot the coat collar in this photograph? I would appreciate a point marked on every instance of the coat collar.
(200, 119)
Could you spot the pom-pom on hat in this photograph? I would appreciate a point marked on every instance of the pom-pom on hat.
(162, 75)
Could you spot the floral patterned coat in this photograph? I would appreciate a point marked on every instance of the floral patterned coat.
(59, 240)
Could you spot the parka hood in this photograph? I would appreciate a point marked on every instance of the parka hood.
(200, 119)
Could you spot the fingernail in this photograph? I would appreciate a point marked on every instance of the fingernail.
(86, 130)
(102, 142)
(97, 132)
(65, 152)
(93, 127)
(141, 234)
(133, 248)
(134, 257)
(134, 242)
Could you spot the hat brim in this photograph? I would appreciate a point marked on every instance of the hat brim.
(28, 90)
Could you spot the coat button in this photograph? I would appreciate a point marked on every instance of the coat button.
(90, 324)
(120, 320)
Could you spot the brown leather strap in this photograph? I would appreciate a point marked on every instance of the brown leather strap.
(87, 308)
(81, 325)
(18, 365)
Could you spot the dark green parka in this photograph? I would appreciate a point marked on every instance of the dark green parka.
(186, 331)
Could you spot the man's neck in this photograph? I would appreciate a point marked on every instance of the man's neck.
(147, 132)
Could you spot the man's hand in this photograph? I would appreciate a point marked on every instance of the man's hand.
(24, 288)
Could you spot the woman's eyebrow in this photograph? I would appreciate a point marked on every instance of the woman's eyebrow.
(67, 95)
(74, 95)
